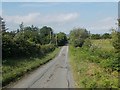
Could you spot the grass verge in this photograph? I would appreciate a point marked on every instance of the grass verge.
(89, 74)
(13, 69)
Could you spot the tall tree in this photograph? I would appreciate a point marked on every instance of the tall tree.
(77, 36)
(106, 36)
(46, 34)
(61, 39)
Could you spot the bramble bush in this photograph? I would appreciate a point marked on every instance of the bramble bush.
(98, 55)
(116, 44)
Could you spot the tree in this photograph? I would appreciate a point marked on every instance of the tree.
(21, 26)
(26, 42)
(106, 36)
(78, 36)
(30, 34)
(116, 38)
(95, 36)
(7, 45)
(61, 39)
(116, 44)
(46, 34)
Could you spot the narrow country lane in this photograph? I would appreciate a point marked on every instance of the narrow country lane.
(55, 74)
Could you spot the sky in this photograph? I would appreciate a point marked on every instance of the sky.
(96, 17)
(60, 0)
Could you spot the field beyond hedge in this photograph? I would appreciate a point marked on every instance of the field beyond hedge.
(104, 44)
(94, 67)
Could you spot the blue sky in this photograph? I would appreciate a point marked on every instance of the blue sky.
(96, 17)
(61, 0)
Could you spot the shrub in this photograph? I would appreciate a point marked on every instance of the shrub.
(106, 36)
(116, 44)
(22, 48)
(78, 36)
(87, 43)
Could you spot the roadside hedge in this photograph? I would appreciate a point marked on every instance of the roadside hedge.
(22, 48)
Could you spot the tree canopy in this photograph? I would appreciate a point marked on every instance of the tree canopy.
(30, 40)
(78, 36)
(61, 39)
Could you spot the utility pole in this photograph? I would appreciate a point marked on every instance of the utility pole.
(118, 25)
(56, 39)
(0, 43)
(89, 34)
(22, 29)
(3, 26)
(1, 23)
(50, 37)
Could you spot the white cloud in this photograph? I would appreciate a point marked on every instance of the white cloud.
(34, 18)
(18, 19)
(104, 25)
(30, 4)
(57, 18)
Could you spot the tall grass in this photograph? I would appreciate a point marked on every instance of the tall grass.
(13, 69)
(93, 67)
(104, 44)
(105, 52)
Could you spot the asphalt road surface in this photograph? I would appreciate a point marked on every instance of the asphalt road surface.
(54, 74)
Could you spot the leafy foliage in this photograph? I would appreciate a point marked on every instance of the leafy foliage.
(101, 36)
(92, 68)
(78, 36)
(106, 36)
(95, 63)
(87, 43)
(116, 44)
(24, 49)
(46, 35)
(61, 38)
(13, 69)
(95, 36)
(30, 41)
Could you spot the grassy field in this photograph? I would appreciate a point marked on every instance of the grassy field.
(91, 70)
(15, 68)
(104, 44)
